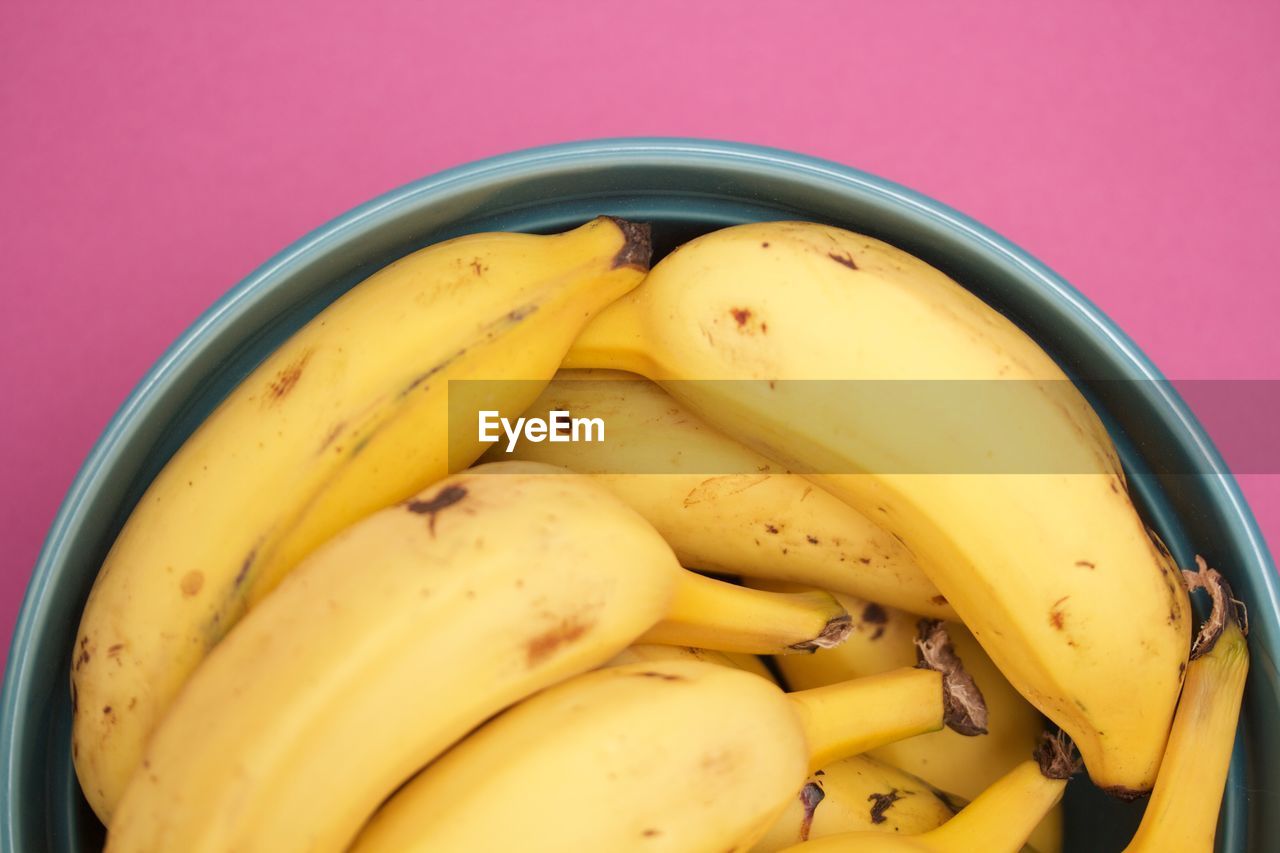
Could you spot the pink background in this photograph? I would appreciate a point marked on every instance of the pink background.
(153, 153)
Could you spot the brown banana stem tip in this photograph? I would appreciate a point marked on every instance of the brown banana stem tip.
(637, 250)
(833, 634)
(1225, 606)
(964, 709)
(1057, 756)
(810, 795)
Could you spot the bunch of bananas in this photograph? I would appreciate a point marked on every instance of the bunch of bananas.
(764, 613)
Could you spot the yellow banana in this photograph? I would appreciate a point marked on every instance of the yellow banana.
(347, 416)
(882, 639)
(719, 615)
(388, 644)
(642, 652)
(1050, 567)
(659, 755)
(724, 508)
(854, 794)
(1183, 812)
(998, 821)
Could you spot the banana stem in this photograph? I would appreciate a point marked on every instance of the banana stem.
(713, 614)
(1183, 812)
(1002, 817)
(854, 716)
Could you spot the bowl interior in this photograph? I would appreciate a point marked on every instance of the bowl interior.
(684, 188)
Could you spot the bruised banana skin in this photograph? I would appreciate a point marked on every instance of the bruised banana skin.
(349, 415)
(855, 794)
(663, 755)
(495, 583)
(998, 821)
(882, 639)
(1055, 574)
(723, 507)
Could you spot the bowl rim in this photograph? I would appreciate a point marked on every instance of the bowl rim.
(674, 151)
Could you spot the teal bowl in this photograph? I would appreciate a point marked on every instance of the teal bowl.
(685, 188)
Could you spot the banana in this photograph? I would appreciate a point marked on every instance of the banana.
(388, 644)
(1053, 572)
(723, 507)
(642, 652)
(659, 755)
(1183, 812)
(722, 616)
(854, 794)
(998, 821)
(347, 416)
(883, 639)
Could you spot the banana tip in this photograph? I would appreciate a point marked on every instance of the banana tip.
(637, 245)
(1226, 607)
(1057, 757)
(835, 632)
(964, 708)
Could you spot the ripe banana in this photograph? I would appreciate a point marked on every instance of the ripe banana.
(347, 416)
(722, 616)
(1053, 572)
(388, 644)
(854, 794)
(1183, 812)
(642, 652)
(998, 821)
(659, 755)
(883, 639)
(724, 508)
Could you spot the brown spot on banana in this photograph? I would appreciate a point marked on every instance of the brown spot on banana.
(845, 260)
(1056, 616)
(431, 507)
(332, 436)
(874, 614)
(881, 803)
(285, 381)
(190, 584)
(541, 647)
(741, 316)
(664, 676)
(243, 574)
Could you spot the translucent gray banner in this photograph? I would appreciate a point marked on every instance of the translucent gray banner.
(615, 423)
